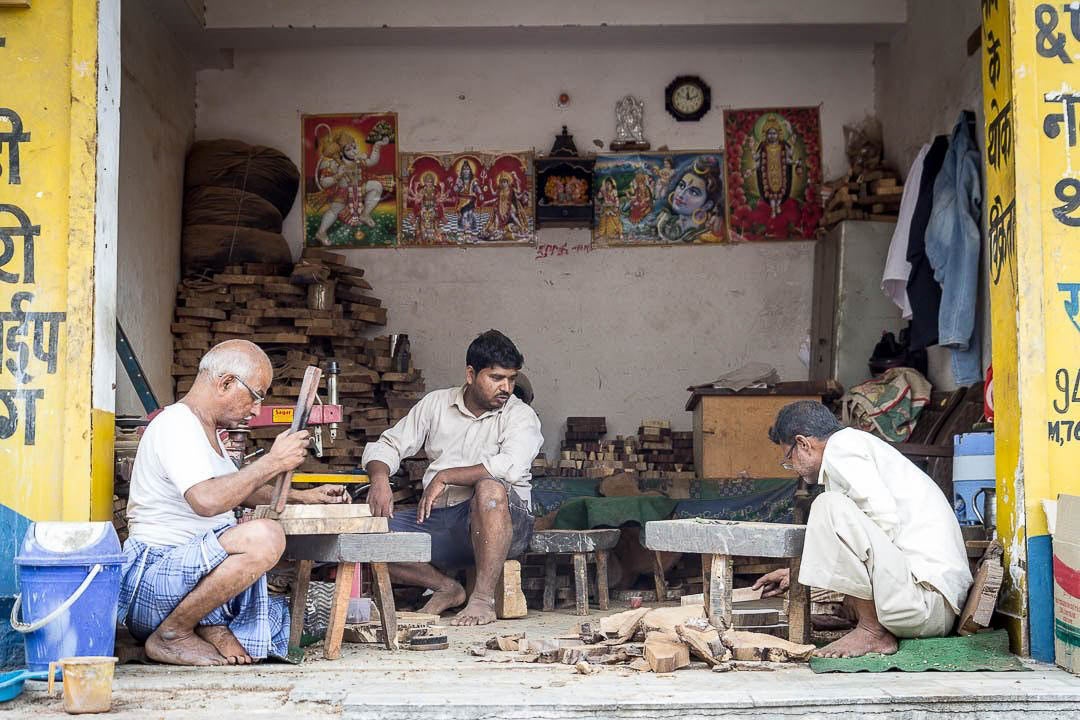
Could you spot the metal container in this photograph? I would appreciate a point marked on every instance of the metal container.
(988, 514)
(320, 295)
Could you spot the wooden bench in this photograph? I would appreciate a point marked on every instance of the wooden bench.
(582, 545)
(347, 550)
(718, 541)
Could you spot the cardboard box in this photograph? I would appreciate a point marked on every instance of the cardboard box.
(1067, 583)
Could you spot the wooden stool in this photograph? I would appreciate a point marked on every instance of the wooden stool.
(717, 541)
(580, 544)
(346, 550)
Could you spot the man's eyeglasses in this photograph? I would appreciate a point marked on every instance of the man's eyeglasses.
(786, 462)
(255, 396)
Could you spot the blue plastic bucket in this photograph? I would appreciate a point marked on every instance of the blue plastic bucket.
(973, 471)
(69, 588)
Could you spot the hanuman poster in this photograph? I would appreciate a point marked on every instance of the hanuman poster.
(659, 199)
(350, 180)
(774, 173)
(467, 198)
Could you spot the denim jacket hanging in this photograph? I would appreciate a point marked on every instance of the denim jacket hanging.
(953, 244)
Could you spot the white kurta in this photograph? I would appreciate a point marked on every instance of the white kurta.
(884, 531)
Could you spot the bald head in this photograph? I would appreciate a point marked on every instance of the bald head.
(235, 357)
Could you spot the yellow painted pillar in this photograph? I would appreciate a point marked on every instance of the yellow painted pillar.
(59, 130)
(1031, 88)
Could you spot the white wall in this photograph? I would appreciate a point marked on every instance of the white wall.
(615, 332)
(925, 76)
(157, 118)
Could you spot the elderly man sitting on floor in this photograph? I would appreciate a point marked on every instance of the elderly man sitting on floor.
(882, 534)
(194, 583)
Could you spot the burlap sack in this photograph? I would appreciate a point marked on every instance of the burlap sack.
(233, 164)
(212, 247)
(208, 205)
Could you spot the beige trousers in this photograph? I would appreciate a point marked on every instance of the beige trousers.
(847, 553)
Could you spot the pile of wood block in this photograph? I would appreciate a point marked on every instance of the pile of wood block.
(286, 312)
(659, 640)
(655, 453)
(670, 455)
(867, 195)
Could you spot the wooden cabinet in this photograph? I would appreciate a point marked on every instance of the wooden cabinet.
(731, 430)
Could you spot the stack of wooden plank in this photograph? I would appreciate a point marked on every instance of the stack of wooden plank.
(584, 430)
(868, 195)
(670, 455)
(277, 307)
(655, 453)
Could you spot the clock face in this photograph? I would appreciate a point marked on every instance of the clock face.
(687, 98)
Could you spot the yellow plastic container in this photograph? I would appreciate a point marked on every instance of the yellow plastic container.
(87, 683)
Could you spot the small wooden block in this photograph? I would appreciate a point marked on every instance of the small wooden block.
(665, 653)
(509, 600)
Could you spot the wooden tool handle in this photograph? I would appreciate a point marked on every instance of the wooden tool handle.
(308, 390)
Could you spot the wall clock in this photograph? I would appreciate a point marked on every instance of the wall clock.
(687, 98)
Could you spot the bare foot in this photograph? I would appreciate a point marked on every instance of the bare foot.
(226, 643)
(444, 598)
(479, 611)
(172, 648)
(861, 641)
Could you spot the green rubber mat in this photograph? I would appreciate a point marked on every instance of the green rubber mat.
(985, 651)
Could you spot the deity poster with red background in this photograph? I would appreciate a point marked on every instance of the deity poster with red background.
(350, 193)
(774, 173)
(469, 198)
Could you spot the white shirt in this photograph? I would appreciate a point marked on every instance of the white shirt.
(174, 455)
(905, 503)
(897, 268)
(504, 441)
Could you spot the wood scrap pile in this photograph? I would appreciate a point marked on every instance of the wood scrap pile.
(863, 195)
(659, 640)
(317, 311)
(655, 453)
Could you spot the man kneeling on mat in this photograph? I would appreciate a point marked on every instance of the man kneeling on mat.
(882, 534)
(194, 582)
(481, 440)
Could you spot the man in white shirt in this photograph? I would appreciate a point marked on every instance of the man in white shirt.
(882, 533)
(481, 441)
(193, 583)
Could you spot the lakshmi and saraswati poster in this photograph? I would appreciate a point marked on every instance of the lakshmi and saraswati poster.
(774, 173)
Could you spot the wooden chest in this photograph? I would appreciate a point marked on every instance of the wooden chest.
(731, 430)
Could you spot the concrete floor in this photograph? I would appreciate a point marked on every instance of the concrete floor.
(369, 682)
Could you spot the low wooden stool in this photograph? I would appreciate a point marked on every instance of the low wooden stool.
(581, 544)
(718, 541)
(346, 550)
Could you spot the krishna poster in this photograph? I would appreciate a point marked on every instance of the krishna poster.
(350, 196)
(774, 173)
(468, 198)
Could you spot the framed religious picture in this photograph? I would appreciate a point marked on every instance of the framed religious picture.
(659, 198)
(564, 186)
(350, 187)
(774, 173)
(469, 198)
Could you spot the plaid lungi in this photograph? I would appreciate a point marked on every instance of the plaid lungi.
(156, 578)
